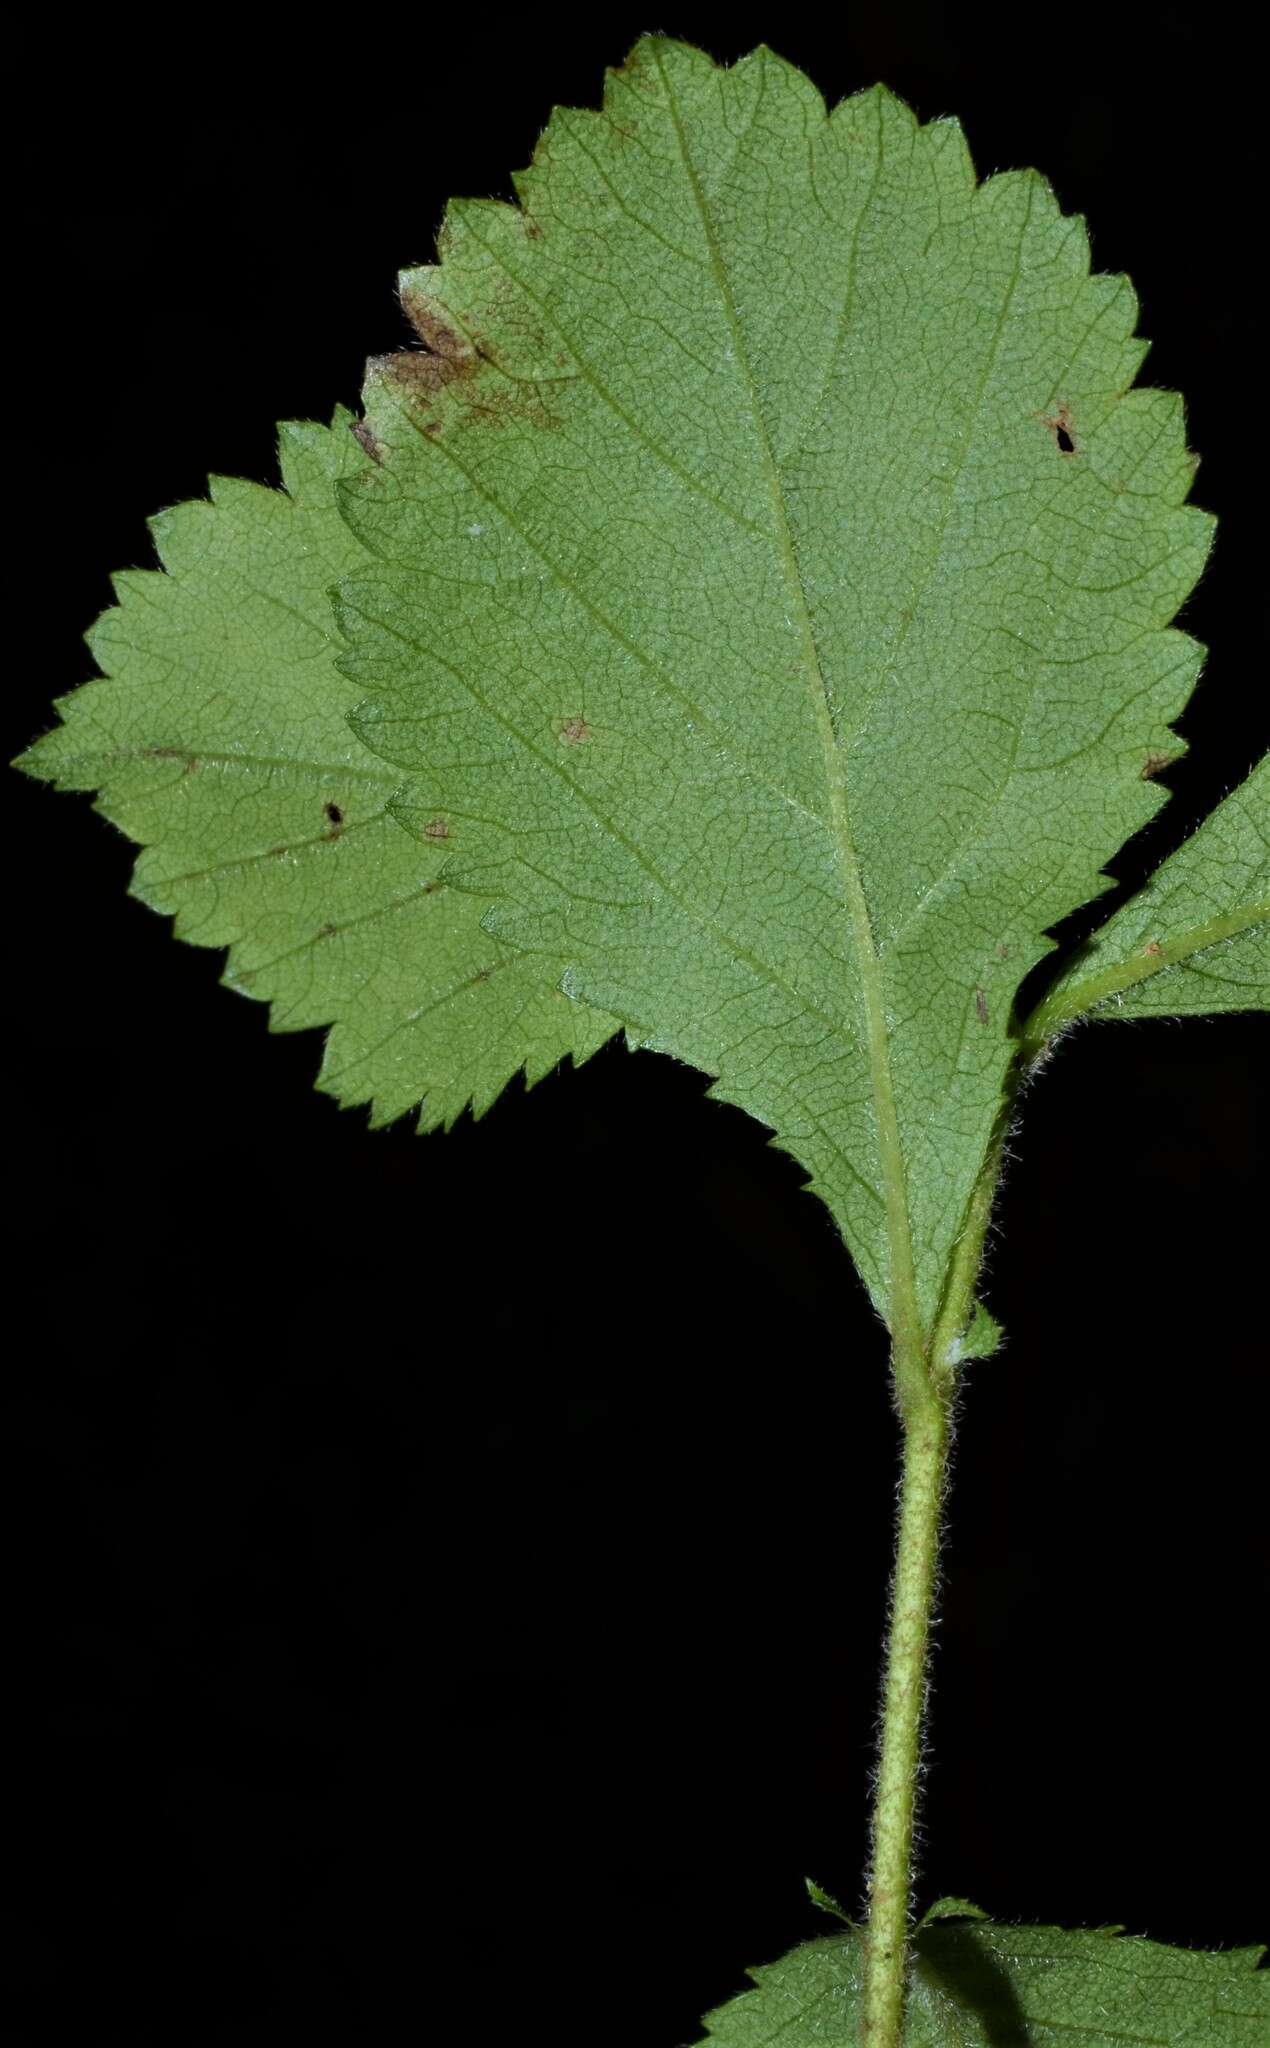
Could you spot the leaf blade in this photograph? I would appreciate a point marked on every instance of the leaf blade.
(218, 738)
(797, 717)
(1194, 940)
(975, 1984)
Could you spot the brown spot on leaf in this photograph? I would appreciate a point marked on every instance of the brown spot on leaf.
(362, 433)
(533, 233)
(328, 931)
(335, 819)
(1003, 951)
(981, 1006)
(1152, 948)
(457, 366)
(445, 358)
(174, 754)
(1155, 764)
(576, 731)
(436, 828)
(436, 334)
(1059, 422)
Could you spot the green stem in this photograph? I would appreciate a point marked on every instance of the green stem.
(886, 1943)
(1071, 999)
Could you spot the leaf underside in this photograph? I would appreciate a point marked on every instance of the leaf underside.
(753, 632)
(977, 1985)
(220, 740)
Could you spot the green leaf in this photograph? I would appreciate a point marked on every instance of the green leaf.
(755, 595)
(1197, 937)
(825, 1901)
(977, 1985)
(982, 1339)
(219, 740)
(954, 1909)
(774, 569)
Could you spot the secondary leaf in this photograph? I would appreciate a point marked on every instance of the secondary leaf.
(774, 569)
(219, 738)
(976, 1985)
(1195, 939)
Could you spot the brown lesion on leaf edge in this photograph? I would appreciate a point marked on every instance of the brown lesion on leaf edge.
(1155, 764)
(457, 366)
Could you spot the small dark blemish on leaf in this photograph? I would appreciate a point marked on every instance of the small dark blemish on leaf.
(335, 819)
(1155, 764)
(174, 754)
(328, 931)
(533, 233)
(1152, 948)
(981, 1006)
(1059, 423)
(482, 974)
(1003, 951)
(436, 828)
(361, 433)
(576, 731)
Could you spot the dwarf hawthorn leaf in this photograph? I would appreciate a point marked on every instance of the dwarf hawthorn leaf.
(976, 1985)
(1196, 938)
(953, 1909)
(825, 1901)
(218, 738)
(773, 569)
(982, 1338)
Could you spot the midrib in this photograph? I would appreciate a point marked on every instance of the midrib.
(905, 1320)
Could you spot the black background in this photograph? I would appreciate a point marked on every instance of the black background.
(447, 1575)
